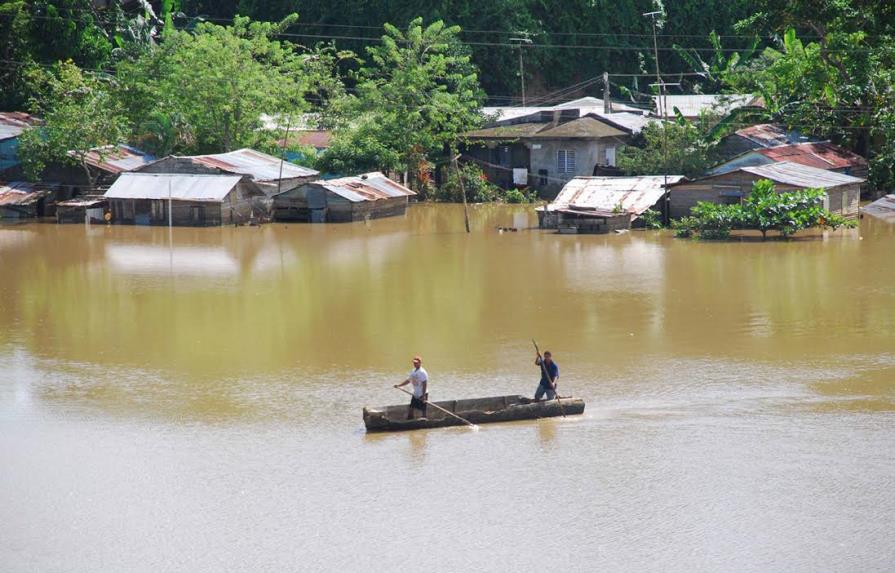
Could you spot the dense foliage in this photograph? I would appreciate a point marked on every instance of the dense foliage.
(673, 148)
(416, 97)
(79, 114)
(764, 210)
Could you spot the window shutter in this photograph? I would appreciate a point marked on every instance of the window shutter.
(565, 161)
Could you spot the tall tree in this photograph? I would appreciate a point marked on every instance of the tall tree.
(221, 81)
(80, 115)
(415, 98)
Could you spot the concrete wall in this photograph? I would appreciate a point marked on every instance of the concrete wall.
(588, 153)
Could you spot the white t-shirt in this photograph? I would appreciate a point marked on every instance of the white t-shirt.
(417, 377)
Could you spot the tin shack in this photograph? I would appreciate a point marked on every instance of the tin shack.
(603, 204)
(184, 199)
(23, 200)
(368, 196)
(843, 191)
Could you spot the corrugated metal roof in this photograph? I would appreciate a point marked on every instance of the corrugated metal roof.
(13, 123)
(261, 166)
(117, 158)
(882, 208)
(693, 105)
(604, 196)
(182, 187)
(585, 105)
(771, 135)
(367, 187)
(798, 175)
(22, 193)
(823, 155)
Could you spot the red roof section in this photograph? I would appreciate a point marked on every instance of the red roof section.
(821, 155)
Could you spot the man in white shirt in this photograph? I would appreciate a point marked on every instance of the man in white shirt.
(420, 380)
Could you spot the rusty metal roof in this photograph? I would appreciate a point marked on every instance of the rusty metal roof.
(117, 158)
(771, 135)
(23, 193)
(371, 186)
(176, 186)
(803, 176)
(882, 208)
(605, 196)
(823, 155)
(13, 123)
(260, 166)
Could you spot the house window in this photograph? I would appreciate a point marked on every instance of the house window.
(197, 214)
(542, 177)
(565, 161)
(729, 194)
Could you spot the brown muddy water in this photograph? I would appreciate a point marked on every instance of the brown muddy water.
(191, 401)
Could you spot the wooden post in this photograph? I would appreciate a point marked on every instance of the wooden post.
(462, 192)
(607, 102)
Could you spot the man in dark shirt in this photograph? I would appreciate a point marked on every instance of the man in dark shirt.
(549, 376)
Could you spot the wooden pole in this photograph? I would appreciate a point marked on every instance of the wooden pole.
(544, 370)
(464, 420)
(462, 192)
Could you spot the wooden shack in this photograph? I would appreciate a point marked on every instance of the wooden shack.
(368, 196)
(23, 200)
(88, 209)
(191, 200)
(843, 192)
(604, 204)
(271, 174)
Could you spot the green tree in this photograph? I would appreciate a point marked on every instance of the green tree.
(221, 80)
(79, 115)
(414, 100)
(764, 210)
(675, 148)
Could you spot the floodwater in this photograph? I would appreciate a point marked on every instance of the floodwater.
(191, 400)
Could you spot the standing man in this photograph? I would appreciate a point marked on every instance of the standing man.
(420, 380)
(549, 376)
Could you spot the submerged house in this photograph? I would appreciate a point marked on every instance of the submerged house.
(23, 200)
(604, 204)
(105, 165)
(188, 199)
(270, 174)
(822, 155)
(368, 196)
(544, 148)
(86, 209)
(883, 208)
(842, 191)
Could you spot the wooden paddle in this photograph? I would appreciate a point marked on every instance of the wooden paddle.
(547, 374)
(448, 412)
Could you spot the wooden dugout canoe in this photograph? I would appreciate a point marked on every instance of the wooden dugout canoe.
(476, 410)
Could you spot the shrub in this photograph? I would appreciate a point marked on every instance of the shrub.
(652, 219)
(478, 188)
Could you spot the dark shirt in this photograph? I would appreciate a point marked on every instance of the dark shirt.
(551, 369)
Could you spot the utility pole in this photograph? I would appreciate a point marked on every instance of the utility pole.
(607, 94)
(520, 42)
(662, 108)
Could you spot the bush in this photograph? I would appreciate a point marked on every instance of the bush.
(478, 188)
(763, 210)
(516, 196)
(652, 219)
